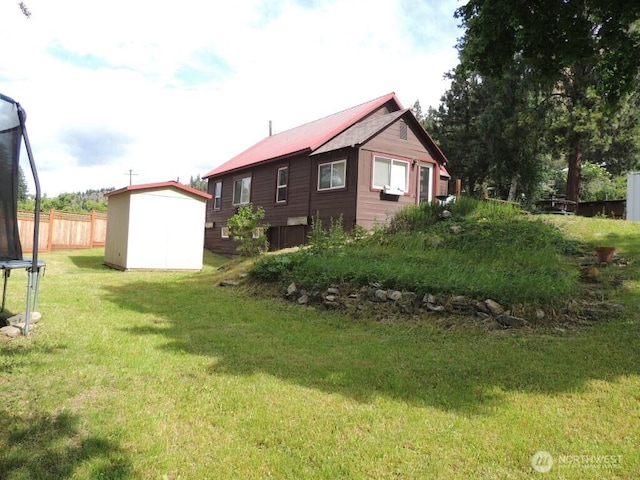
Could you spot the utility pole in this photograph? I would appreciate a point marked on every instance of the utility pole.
(131, 174)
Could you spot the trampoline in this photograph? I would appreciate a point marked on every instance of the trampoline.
(12, 133)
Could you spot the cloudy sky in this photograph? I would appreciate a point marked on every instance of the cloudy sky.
(170, 89)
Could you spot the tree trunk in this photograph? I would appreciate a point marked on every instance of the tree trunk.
(575, 168)
(512, 189)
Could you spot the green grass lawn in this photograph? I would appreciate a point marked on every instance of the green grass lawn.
(166, 375)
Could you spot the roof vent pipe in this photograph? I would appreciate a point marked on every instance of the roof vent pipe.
(270, 129)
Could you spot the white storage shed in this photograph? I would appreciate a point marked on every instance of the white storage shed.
(155, 226)
(633, 196)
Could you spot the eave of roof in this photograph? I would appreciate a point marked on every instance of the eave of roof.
(158, 185)
(361, 132)
(307, 137)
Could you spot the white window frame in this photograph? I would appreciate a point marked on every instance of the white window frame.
(217, 195)
(242, 181)
(280, 187)
(391, 183)
(224, 232)
(333, 164)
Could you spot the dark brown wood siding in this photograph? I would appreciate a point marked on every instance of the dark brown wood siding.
(263, 193)
(331, 204)
(357, 203)
(372, 207)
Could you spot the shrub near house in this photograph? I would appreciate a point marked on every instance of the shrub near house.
(245, 228)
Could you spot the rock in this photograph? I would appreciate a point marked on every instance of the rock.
(460, 303)
(444, 214)
(494, 307)
(10, 331)
(380, 296)
(409, 296)
(394, 295)
(434, 308)
(483, 315)
(291, 289)
(539, 314)
(303, 300)
(510, 321)
(20, 317)
(481, 307)
(407, 302)
(330, 298)
(228, 283)
(428, 298)
(22, 326)
(330, 305)
(333, 291)
(456, 229)
(493, 325)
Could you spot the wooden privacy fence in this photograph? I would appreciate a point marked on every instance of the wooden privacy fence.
(63, 230)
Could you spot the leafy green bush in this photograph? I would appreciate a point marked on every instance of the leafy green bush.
(244, 227)
(334, 236)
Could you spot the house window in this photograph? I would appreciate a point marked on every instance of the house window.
(224, 232)
(258, 232)
(332, 175)
(217, 195)
(281, 184)
(241, 190)
(389, 173)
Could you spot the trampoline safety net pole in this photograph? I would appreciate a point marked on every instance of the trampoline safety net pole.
(33, 273)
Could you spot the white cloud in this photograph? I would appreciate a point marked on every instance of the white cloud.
(182, 87)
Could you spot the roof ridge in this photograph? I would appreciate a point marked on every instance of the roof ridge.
(354, 107)
(305, 137)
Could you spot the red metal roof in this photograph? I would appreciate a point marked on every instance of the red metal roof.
(306, 137)
(153, 186)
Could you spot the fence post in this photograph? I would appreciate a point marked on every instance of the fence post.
(92, 229)
(52, 214)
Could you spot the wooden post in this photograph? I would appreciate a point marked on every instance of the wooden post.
(458, 188)
(52, 222)
(92, 229)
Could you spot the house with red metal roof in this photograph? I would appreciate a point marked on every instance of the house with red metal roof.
(363, 163)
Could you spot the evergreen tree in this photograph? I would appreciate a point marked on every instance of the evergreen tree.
(198, 183)
(23, 189)
(585, 55)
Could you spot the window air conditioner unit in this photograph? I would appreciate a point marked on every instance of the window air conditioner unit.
(388, 190)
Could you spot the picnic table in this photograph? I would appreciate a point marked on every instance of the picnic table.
(558, 205)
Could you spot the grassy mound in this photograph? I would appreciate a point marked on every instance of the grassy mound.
(482, 250)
